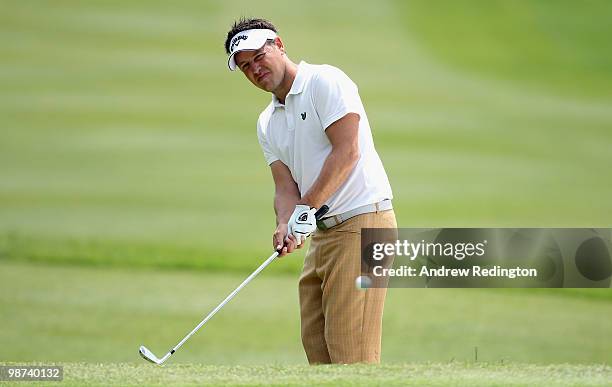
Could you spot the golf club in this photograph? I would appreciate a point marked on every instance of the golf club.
(150, 356)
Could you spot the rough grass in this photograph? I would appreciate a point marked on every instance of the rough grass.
(417, 374)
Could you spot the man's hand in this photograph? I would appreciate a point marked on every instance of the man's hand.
(302, 223)
(283, 242)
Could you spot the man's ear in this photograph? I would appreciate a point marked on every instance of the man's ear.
(279, 44)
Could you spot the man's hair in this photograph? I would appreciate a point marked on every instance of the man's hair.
(244, 24)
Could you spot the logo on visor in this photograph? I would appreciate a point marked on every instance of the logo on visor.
(303, 116)
(236, 41)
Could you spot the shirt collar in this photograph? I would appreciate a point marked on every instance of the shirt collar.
(298, 83)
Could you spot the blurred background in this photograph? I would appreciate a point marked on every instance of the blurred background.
(130, 168)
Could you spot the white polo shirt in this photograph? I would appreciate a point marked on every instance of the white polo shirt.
(294, 133)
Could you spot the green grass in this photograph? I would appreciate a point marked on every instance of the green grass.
(121, 141)
(84, 314)
(555, 46)
(125, 143)
(427, 374)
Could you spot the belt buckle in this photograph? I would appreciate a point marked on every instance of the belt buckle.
(321, 226)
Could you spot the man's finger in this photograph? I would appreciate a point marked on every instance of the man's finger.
(297, 240)
(293, 239)
(290, 247)
(290, 243)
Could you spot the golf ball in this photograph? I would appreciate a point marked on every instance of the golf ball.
(363, 282)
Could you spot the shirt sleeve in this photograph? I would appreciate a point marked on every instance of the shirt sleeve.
(265, 145)
(334, 96)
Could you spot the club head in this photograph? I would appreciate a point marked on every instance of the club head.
(148, 355)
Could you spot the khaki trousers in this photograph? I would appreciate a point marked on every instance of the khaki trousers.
(340, 323)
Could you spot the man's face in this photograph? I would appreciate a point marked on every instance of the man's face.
(265, 68)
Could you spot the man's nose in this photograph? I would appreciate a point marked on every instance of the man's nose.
(256, 68)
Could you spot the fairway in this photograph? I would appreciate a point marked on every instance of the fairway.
(120, 142)
(134, 195)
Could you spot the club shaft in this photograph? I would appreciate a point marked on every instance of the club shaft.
(222, 304)
(318, 215)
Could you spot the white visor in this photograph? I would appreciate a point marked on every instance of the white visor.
(249, 40)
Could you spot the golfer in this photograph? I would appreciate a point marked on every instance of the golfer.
(316, 138)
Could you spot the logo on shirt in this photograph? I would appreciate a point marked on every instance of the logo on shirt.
(303, 116)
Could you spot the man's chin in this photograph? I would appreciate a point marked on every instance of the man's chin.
(266, 87)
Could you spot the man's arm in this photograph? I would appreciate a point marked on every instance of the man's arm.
(344, 138)
(286, 193)
(286, 196)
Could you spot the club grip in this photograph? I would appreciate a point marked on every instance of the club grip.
(321, 212)
(318, 215)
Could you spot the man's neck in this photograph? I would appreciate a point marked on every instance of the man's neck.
(285, 86)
